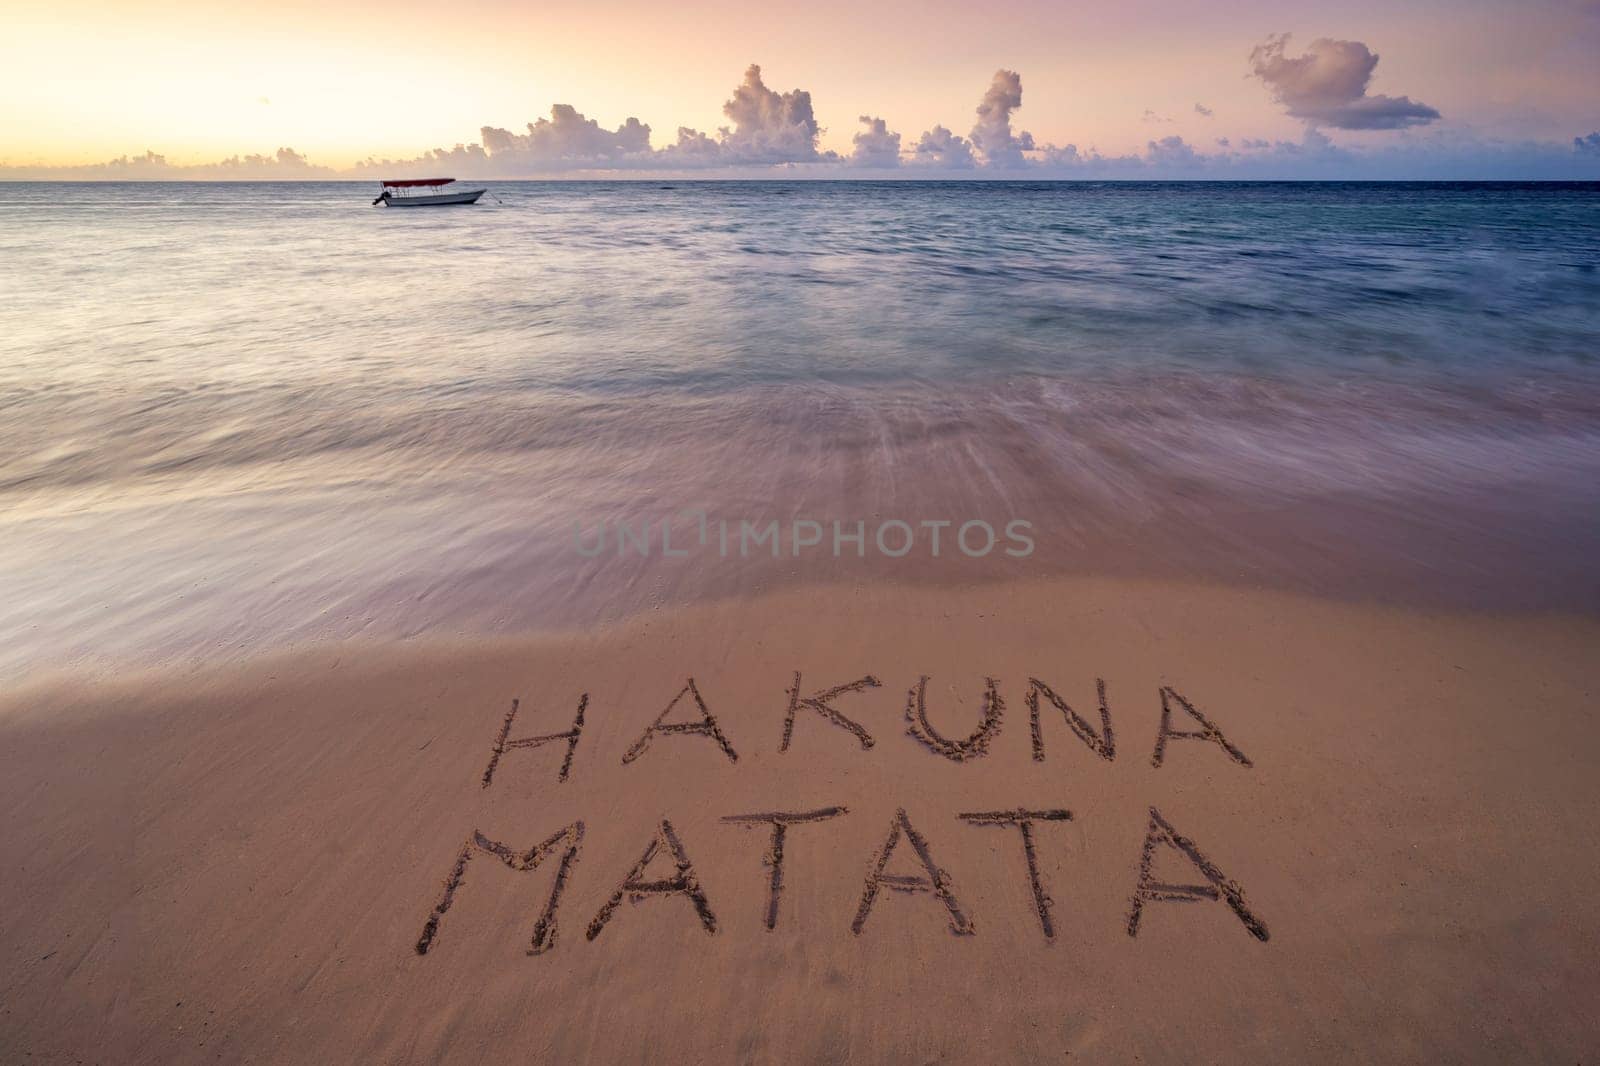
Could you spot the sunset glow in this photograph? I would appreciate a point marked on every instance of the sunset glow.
(342, 82)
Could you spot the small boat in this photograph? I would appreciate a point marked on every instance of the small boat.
(414, 192)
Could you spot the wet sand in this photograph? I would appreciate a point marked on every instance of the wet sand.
(1383, 838)
(334, 518)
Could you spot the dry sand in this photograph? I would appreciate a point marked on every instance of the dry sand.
(237, 866)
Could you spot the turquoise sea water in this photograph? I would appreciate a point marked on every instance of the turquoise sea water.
(238, 416)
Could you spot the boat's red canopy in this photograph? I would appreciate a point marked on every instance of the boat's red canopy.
(412, 183)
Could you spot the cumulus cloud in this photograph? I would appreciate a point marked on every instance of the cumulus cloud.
(462, 161)
(1327, 86)
(1313, 145)
(992, 135)
(875, 146)
(992, 139)
(769, 127)
(1203, 111)
(693, 148)
(940, 148)
(1589, 145)
(1171, 151)
(567, 139)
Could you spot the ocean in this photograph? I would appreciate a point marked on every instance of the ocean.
(244, 417)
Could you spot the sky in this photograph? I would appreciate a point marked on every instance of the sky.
(1437, 88)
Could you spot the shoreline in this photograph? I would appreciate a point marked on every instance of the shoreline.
(241, 860)
(107, 678)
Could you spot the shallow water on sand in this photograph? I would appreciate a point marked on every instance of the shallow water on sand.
(237, 416)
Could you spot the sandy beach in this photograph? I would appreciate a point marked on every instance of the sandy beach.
(1365, 838)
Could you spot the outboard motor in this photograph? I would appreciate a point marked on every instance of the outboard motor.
(383, 198)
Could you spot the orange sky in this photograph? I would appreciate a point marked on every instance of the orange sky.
(86, 80)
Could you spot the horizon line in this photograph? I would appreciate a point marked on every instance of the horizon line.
(904, 179)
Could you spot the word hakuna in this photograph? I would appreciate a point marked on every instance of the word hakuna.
(564, 845)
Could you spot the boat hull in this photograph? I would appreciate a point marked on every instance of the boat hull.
(442, 199)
